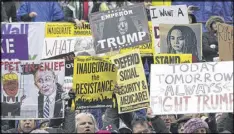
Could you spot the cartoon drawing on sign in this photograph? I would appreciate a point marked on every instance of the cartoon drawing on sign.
(11, 102)
(49, 100)
(84, 45)
(182, 40)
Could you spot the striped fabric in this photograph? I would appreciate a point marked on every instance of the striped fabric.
(47, 109)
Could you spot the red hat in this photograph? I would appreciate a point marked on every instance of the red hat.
(103, 132)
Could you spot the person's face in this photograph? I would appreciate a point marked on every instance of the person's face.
(200, 131)
(168, 119)
(214, 26)
(177, 40)
(27, 125)
(138, 128)
(85, 125)
(11, 87)
(181, 127)
(190, 19)
(45, 81)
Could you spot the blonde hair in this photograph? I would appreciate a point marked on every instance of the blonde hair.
(89, 115)
(9, 76)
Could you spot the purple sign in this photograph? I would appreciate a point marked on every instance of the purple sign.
(14, 46)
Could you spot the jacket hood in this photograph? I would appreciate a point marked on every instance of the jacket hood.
(213, 19)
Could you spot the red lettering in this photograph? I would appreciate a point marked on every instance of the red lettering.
(231, 100)
(56, 64)
(186, 102)
(205, 104)
(178, 105)
(61, 64)
(216, 99)
(198, 102)
(223, 98)
(170, 106)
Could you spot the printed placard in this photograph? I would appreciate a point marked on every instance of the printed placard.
(66, 30)
(32, 89)
(172, 58)
(191, 88)
(176, 14)
(133, 94)
(94, 80)
(120, 28)
(182, 39)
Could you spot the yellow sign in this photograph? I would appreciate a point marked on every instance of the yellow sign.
(172, 58)
(93, 82)
(66, 30)
(145, 48)
(133, 93)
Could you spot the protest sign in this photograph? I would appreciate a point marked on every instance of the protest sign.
(14, 46)
(133, 94)
(181, 39)
(191, 88)
(145, 49)
(125, 27)
(176, 14)
(35, 35)
(63, 38)
(29, 82)
(225, 39)
(69, 60)
(68, 81)
(172, 58)
(93, 82)
(66, 30)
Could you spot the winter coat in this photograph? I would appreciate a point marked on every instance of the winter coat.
(4, 17)
(225, 122)
(46, 11)
(75, 10)
(10, 9)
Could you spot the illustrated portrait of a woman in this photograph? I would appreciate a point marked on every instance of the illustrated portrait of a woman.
(182, 40)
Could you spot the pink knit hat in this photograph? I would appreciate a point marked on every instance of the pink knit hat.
(193, 124)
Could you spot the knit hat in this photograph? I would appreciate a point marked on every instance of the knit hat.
(213, 19)
(193, 124)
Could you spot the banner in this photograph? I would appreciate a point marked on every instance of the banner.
(192, 88)
(28, 87)
(14, 46)
(172, 58)
(176, 14)
(125, 27)
(133, 94)
(181, 39)
(93, 82)
(145, 49)
(64, 29)
(35, 34)
(62, 38)
(225, 39)
(69, 60)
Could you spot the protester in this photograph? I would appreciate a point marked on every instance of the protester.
(23, 126)
(225, 123)
(108, 5)
(181, 121)
(32, 11)
(209, 38)
(86, 123)
(78, 11)
(4, 17)
(10, 9)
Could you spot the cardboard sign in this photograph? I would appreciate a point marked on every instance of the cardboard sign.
(172, 58)
(191, 88)
(133, 93)
(176, 14)
(94, 80)
(225, 39)
(14, 46)
(120, 28)
(181, 39)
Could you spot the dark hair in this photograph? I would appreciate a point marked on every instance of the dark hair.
(190, 45)
(194, 19)
(139, 120)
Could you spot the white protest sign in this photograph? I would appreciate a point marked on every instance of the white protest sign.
(191, 88)
(57, 46)
(176, 14)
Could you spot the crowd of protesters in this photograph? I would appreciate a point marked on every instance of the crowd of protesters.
(108, 120)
